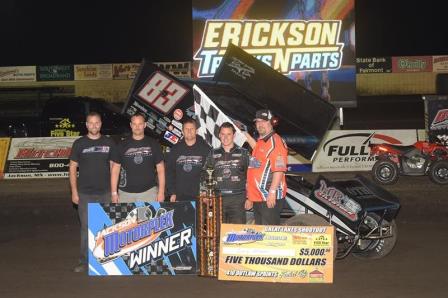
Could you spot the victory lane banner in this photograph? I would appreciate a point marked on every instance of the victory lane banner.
(142, 238)
(290, 254)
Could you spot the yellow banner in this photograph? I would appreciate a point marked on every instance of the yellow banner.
(18, 74)
(85, 72)
(4, 146)
(276, 253)
(125, 71)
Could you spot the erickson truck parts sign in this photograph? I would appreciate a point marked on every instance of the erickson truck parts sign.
(286, 46)
(312, 42)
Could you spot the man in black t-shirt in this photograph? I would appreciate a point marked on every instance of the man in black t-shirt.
(135, 165)
(92, 155)
(184, 164)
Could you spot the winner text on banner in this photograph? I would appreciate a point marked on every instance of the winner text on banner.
(142, 238)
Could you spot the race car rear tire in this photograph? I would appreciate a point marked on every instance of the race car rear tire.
(438, 172)
(378, 248)
(312, 220)
(385, 171)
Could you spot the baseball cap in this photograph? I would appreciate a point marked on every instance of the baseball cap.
(263, 115)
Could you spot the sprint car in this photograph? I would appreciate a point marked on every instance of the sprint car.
(362, 213)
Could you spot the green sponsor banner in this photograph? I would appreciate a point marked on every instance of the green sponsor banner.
(55, 73)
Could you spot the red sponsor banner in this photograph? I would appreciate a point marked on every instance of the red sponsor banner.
(412, 64)
(38, 158)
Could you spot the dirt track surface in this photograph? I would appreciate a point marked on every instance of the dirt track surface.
(39, 246)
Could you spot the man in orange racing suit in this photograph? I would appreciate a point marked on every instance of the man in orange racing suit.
(266, 183)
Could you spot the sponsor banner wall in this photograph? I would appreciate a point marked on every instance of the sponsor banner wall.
(4, 146)
(128, 71)
(55, 73)
(396, 83)
(348, 150)
(373, 65)
(38, 158)
(93, 72)
(177, 69)
(142, 238)
(18, 74)
(412, 64)
(125, 71)
(440, 63)
(276, 253)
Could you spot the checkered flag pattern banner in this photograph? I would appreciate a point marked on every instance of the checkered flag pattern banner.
(118, 212)
(156, 267)
(210, 118)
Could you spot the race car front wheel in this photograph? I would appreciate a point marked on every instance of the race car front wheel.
(385, 171)
(375, 248)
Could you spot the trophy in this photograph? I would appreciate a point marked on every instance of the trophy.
(209, 219)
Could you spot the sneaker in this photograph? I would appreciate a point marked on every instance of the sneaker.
(80, 268)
